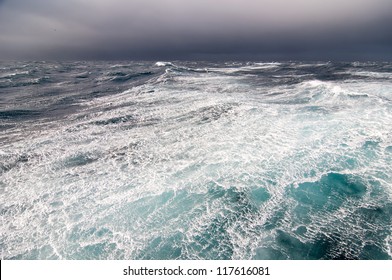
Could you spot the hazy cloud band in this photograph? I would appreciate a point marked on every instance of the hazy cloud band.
(120, 29)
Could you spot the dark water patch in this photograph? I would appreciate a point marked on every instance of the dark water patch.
(58, 111)
(142, 123)
(127, 122)
(116, 120)
(11, 161)
(19, 114)
(375, 222)
(376, 215)
(330, 76)
(212, 113)
(371, 148)
(80, 160)
(333, 72)
(358, 96)
(280, 76)
(130, 104)
(52, 92)
(371, 144)
(329, 247)
(269, 253)
(275, 221)
(373, 252)
(301, 230)
(259, 195)
(4, 127)
(56, 204)
(12, 210)
(96, 93)
(83, 75)
(291, 246)
(288, 246)
(5, 83)
(123, 77)
(330, 192)
(277, 93)
(291, 101)
(121, 152)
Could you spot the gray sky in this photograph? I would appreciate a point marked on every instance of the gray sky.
(181, 29)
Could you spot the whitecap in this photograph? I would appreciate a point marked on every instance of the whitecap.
(163, 63)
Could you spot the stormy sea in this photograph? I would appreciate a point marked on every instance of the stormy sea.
(195, 160)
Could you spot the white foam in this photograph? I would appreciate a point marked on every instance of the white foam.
(162, 64)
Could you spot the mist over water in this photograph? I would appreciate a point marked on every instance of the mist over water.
(195, 160)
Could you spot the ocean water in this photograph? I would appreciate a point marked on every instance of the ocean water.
(195, 160)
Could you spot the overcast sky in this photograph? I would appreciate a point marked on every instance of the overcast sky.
(190, 29)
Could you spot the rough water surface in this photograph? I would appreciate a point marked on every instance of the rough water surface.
(195, 160)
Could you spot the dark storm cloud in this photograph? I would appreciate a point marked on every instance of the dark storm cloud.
(176, 29)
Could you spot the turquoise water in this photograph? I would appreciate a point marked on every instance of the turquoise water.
(186, 160)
